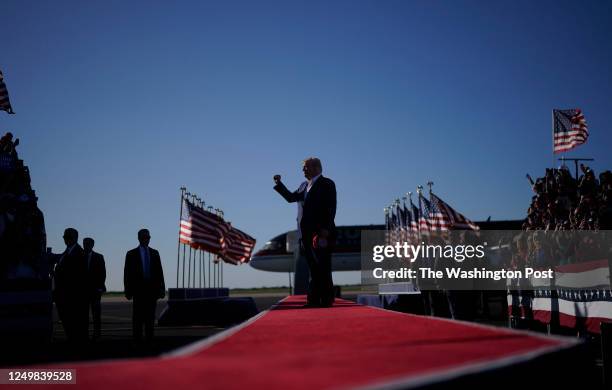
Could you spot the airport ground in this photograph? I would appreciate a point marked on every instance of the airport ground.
(116, 340)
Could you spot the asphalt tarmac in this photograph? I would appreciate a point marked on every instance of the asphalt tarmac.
(116, 339)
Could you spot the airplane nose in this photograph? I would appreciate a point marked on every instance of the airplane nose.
(256, 263)
(255, 260)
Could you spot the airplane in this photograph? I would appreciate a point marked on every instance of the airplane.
(277, 254)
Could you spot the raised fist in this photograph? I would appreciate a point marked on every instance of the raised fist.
(277, 179)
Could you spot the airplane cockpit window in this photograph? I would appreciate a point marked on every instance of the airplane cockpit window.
(272, 245)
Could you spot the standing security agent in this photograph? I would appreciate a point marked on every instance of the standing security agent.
(143, 280)
(96, 278)
(70, 292)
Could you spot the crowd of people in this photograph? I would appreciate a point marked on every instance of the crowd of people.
(562, 202)
(566, 223)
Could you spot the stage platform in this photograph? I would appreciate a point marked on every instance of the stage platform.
(205, 306)
(349, 346)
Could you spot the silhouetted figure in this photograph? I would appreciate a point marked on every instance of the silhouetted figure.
(316, 199)
(96, 277)
(143, 280)
(70, 293)
(7, 145)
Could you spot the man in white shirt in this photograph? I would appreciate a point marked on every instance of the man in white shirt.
(316, 199)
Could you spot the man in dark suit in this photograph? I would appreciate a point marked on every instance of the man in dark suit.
(316, 199)
(96, 277)
(143, 280)
(70, 289)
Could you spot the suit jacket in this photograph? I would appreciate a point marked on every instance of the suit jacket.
(70, 276)
(318, 209)
(96, 275)
(134, 282)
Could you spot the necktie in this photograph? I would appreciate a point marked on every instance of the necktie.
(146, 263)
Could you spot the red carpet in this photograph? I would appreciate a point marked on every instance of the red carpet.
(345, 346)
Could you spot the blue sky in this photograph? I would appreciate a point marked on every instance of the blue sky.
(120, 103)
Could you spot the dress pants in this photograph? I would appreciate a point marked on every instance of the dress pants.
(321, 288)
(96, 313)
(74, 316)
(143, 316)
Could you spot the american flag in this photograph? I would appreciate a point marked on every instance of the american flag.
(452, 218)
(5, 104)
(239, 246)
(202, 229)
(438, 220)
(569, 129)
(424, 227)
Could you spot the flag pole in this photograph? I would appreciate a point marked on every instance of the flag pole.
(187, 195)
(178, 251)
(391, 234)
(189, 258)
(387, 238)
(189, 268)
(199, 254)
(190, 249)
(210, 209)
(406, 231)
(195, 251)
(203, 257)
(222, 215)
(420, 194)
(192, 282)
(216, 266)
(410, 232)
(184, 253)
